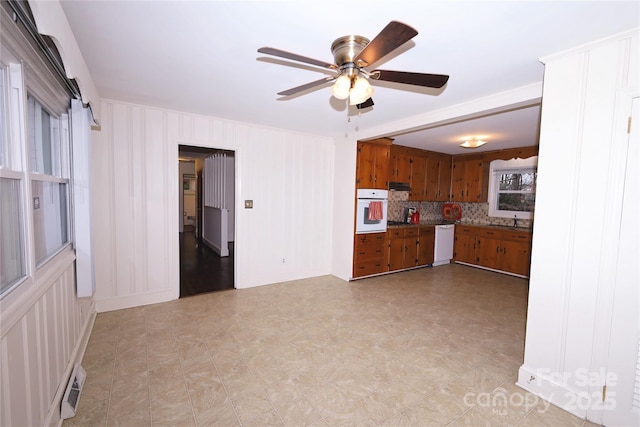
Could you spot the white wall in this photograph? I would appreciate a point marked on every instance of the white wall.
(344, 202)
(583, 139)
(289, 177)
(42, 336)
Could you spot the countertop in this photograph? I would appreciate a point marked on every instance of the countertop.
(430, 223)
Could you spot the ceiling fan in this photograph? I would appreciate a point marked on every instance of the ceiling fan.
(352, 54)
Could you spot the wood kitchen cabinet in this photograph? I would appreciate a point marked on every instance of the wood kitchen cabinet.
(464, 244)
(488, 248)
(516, 252)
(400, 164)
(426, 242)
(418, 178)
(409, 165)
(373, 166)
(498, 249)
(370, 254)
(403, 247)
(467, 183)
(505, 250)
(438, 182)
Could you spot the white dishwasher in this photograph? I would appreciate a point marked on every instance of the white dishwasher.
(443, 249)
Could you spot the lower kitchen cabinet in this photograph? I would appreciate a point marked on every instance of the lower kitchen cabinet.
(426, 242)
(516, 252)
(370, 254)
(398, 249)
(488, 248)
(499, 249)
(403, 248)
(464, 245)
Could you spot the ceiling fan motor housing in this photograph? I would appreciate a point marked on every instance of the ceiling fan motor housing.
(346, 48)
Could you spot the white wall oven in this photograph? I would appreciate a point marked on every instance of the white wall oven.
(371, 211)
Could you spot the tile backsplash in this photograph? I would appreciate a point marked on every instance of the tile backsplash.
(472, 213)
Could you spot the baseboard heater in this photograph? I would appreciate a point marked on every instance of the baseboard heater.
(71, 396)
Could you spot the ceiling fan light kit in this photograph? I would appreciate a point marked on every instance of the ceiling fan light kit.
(351, 55)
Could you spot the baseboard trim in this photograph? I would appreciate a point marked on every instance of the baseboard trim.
(129, 301)
(547, 388)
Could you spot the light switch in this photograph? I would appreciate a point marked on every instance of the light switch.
(248, 204)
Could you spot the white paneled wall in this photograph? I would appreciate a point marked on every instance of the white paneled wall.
(39, 346)
(576, 236)
(289, 176)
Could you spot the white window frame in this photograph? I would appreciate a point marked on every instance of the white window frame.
(16, 163)
(498, 167)
(17, 167)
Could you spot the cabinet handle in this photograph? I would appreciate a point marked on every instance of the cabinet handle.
(497, 249)
(504, 250)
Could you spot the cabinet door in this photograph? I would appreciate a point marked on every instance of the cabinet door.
(473, 180)
(464, 248)
(426, 245)
(488, 252)
(458, 185)
(381, 167)
(466, 180)
(432, 178)
(515, 257)
(365, 165)
(444, 179)
(411, 247)
(410, 252)
(396, 254)
(418, 178)
(372, 166)
(401, 170)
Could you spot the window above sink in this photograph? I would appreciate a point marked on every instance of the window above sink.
(512, 188)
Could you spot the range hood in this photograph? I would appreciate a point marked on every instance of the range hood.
(399, 186)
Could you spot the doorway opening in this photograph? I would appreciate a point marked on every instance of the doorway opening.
(207, 229)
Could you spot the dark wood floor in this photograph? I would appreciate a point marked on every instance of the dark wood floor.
(201, 269)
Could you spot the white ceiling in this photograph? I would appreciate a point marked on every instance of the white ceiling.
(201, 57)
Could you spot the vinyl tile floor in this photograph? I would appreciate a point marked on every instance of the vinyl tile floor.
(427, 347)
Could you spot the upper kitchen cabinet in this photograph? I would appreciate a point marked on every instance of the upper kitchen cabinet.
(400, 164)
(428, 173)
(418, 178)
(467, 183)
(372, 163)
(438, 184)
(409, 166)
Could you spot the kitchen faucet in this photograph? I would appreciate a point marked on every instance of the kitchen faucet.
(515, 221)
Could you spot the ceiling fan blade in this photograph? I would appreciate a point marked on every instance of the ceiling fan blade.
(416, 79)
(394, 35)
(296, 57)
(365, 104)
(304, 87)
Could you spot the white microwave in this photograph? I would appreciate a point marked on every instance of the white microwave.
(371, 211)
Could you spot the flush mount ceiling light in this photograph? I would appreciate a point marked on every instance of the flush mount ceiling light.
(473, 141)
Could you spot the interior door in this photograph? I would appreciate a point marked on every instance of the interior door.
(622, 404)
